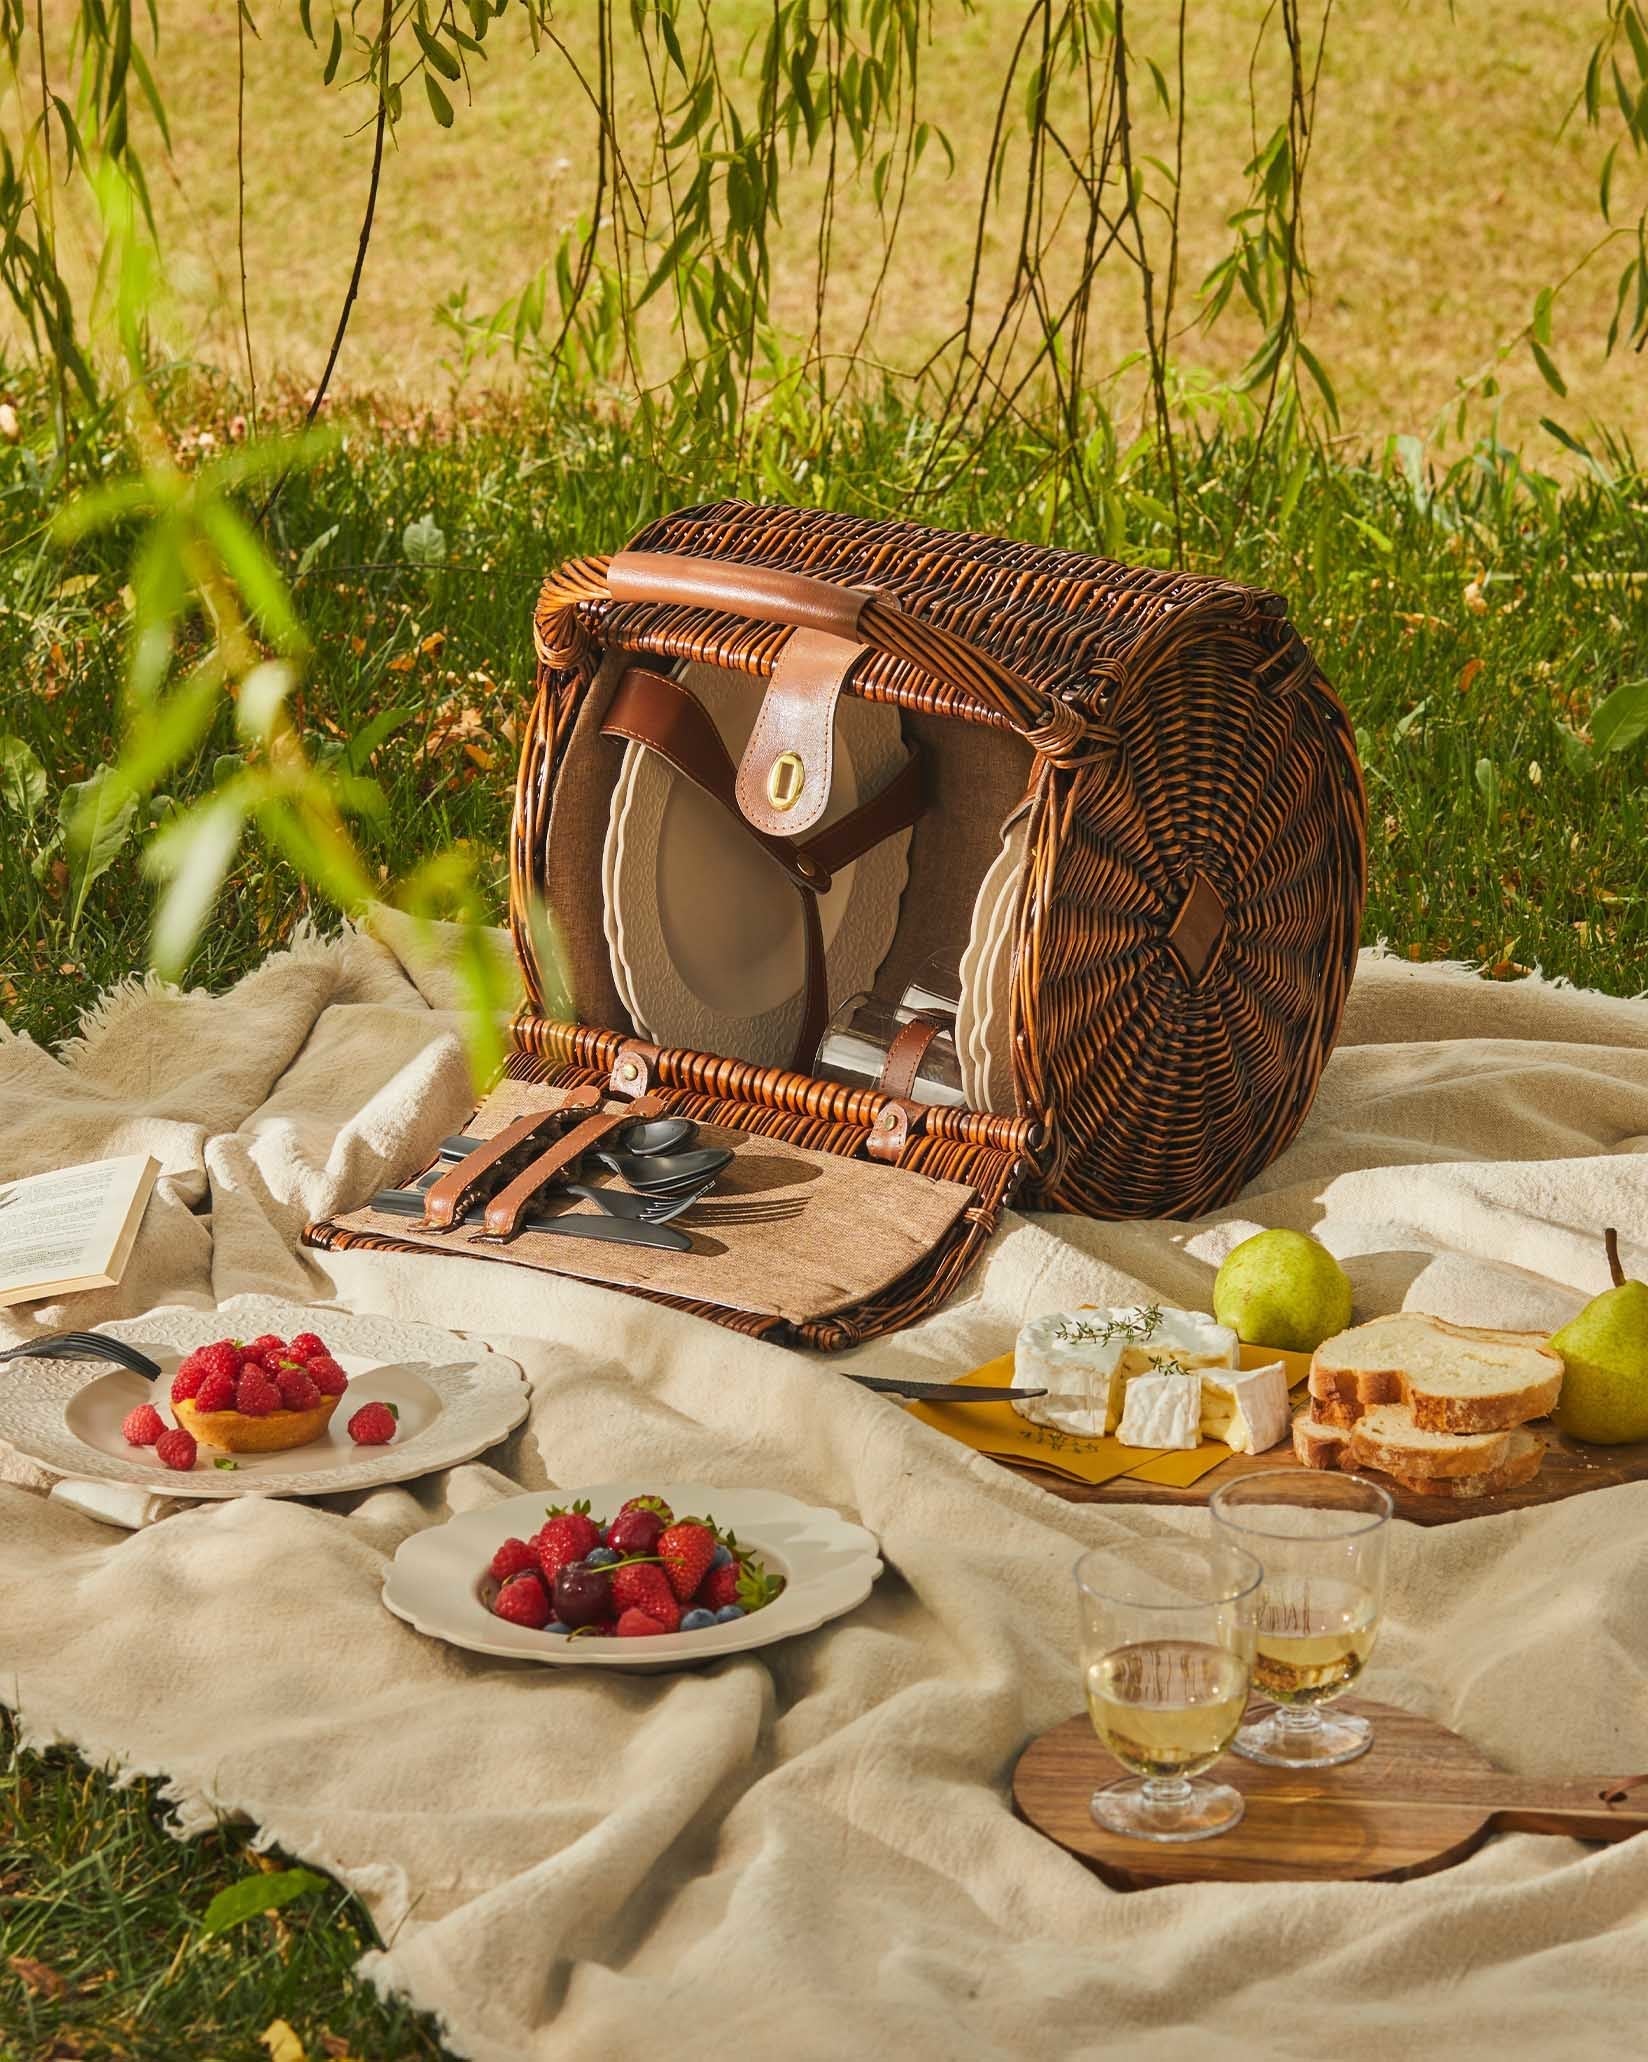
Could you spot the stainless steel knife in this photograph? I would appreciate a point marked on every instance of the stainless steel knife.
(940, 1392)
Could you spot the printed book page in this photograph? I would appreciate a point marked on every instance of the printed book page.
(71, 1229)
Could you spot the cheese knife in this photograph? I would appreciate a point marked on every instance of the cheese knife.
(940, 1392)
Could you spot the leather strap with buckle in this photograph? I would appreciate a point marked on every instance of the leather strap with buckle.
(504, 1211)
(446, 1200)
(651, 710)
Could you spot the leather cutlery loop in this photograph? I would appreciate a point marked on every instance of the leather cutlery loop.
(447, 1199)
(505, 1210)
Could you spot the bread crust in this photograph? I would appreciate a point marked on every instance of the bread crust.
(1384, 1437)
(1357, 1389)
(1323, 1446)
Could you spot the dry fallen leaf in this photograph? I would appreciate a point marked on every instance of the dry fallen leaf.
(1468, 673)
(35, 1977)
(282, 2043)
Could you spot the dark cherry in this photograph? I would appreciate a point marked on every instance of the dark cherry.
(635, 1532)
(583, 1595)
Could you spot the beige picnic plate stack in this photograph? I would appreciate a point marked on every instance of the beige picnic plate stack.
(1442, 1409)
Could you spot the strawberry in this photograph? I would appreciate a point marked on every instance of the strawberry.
(635, 1532)
(648, 1503)
(643, 1586)
(568, 1536)
(514, 1557)
(719, 1588)
(372, 1425)
(305, 1345)
(745, 1583)
(176, 1449)
(255, 1395)
(636, 1625)
(523, 1600)
(217, 1392)
(327, 1376)
(143, 1426)
(686, 1551)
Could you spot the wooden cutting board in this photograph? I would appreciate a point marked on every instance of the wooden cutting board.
(1567, 1469)
(1419, 1800)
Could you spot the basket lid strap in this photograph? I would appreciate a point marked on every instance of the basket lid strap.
(788, 765)
(663, 716)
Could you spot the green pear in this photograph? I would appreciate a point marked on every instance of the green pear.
(1605, 1360)
(1282, 1288)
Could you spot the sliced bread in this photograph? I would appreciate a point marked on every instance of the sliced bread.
(1320, 1446)
(1520, 1468)
(1454, 1378)
(1329, 1446)
(1388, 1436)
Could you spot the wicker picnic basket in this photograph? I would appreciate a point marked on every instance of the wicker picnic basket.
(1194, 851)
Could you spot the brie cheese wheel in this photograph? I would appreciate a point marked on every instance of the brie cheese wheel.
(1162, 1410)
(1085, 1360)
(1250, 1412)
(1067, 1354)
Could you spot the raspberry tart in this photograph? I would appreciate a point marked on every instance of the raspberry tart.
(262, 1397)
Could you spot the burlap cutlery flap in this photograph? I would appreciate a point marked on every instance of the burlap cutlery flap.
(785, 1233)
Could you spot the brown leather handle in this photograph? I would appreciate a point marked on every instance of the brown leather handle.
(1058, 729)
(763, 593)
(446, 1200)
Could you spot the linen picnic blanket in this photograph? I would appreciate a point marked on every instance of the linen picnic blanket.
(810, 1851)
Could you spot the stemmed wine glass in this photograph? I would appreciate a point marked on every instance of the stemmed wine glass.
(1321, 1538)
(1167, 1631)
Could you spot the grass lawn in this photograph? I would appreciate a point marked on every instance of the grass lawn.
(1444, 193)
(102, 1953)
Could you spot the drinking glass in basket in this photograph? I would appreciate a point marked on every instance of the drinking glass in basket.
(1167, 1631)
(1321, 1539)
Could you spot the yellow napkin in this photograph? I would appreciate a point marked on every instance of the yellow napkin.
(997, 1429)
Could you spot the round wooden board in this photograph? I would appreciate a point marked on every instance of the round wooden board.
(1420, 1799)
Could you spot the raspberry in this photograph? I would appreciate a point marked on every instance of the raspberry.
(186, 1382)
(297, 1389)
(514, 1557)
(143, 1426)
(306, 1345)
(222, 1357)
(217, 1392)
(327, 1376)
(643, 1586)
(255, 1395)
(636, 1625)
(265, 1342)
(373, 1425)
(176, 1449)
(523, 1600)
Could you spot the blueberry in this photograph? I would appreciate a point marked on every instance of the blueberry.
(727, 1613)
(600, 1557)
(697, 1621)
(720, 1557)
(555, 1625)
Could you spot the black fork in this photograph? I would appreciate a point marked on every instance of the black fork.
(84, 1346)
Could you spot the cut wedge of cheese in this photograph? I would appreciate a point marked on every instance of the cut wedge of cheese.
(1250, 1412)
(1162, 1410)
(1085, 1360)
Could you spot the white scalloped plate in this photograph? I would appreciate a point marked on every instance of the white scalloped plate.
(454, 1401)
(439, 1584)
(707, 932)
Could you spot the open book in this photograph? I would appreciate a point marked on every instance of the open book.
(73, 1229)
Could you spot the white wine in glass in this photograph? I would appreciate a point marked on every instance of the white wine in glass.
(1321, 1539)
(1167, 1646)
